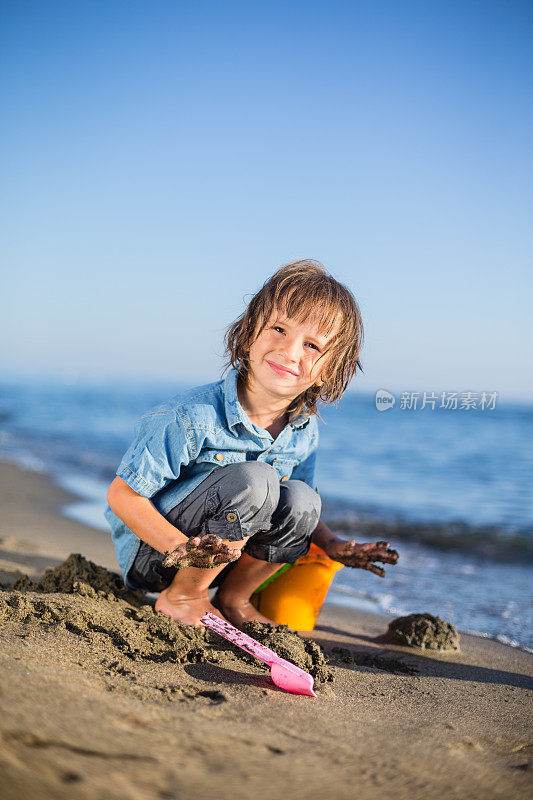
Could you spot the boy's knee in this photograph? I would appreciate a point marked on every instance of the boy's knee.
(298, 498)
(258, 483)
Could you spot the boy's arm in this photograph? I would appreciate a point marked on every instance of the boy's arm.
(142, 518)
(323, 536)
(352, 554)
(160, 450)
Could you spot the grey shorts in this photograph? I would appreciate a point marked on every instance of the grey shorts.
(245, 501)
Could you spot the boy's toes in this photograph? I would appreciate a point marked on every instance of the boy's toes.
(187, 610)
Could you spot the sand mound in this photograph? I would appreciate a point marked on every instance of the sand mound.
(306, 654)
(424, 631)
(91, 603)
(109, 626)
(73, 570)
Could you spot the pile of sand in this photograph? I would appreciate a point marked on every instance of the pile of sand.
(76, 569)
(424, 631)
(91, 604)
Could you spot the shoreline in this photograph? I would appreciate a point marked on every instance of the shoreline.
(83, 715)
(34, 534)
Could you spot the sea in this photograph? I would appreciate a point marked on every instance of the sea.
(451, 489)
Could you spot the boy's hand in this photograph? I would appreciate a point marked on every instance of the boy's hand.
(362, 555)
(206, 552)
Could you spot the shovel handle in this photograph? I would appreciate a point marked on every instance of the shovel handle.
(242, 640)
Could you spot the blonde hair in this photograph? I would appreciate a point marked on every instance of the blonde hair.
(303, 289)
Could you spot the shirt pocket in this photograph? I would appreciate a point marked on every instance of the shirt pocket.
(284, 466)
(220, 458)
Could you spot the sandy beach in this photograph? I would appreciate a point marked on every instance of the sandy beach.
(101, 698)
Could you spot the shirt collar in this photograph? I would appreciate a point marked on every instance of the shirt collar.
(235, 412)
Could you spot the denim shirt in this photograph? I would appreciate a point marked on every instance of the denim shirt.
(179, 443)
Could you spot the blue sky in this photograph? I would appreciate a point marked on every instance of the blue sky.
(161, 159)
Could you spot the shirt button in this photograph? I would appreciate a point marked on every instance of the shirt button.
(231, 517)
(285, 478)
(219, 457)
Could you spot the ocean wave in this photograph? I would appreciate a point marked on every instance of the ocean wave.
(501, 638)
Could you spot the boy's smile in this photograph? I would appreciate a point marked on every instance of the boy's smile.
(280, 369)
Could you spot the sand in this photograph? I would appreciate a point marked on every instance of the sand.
(102, 698)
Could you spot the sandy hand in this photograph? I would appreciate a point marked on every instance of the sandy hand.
(363, 555)
(206, 552)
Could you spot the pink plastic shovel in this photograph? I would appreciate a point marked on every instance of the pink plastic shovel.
(284, 674)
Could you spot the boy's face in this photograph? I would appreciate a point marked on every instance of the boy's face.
(283, 358)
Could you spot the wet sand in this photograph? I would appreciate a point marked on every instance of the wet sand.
(101, 698)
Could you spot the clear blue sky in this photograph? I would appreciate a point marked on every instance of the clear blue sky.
(161, 159)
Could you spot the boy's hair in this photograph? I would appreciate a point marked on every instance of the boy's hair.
(303, 289)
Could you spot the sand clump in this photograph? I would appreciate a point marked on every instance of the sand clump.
(76, 569)
(91, 603)
(424, 631)
(305, 653)
(111, 627)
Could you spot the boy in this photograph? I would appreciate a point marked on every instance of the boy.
(218, 486)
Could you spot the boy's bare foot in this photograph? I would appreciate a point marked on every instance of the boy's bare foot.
(239, 612)
(187, 610)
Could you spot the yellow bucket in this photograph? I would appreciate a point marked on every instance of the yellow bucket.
(296, 596)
